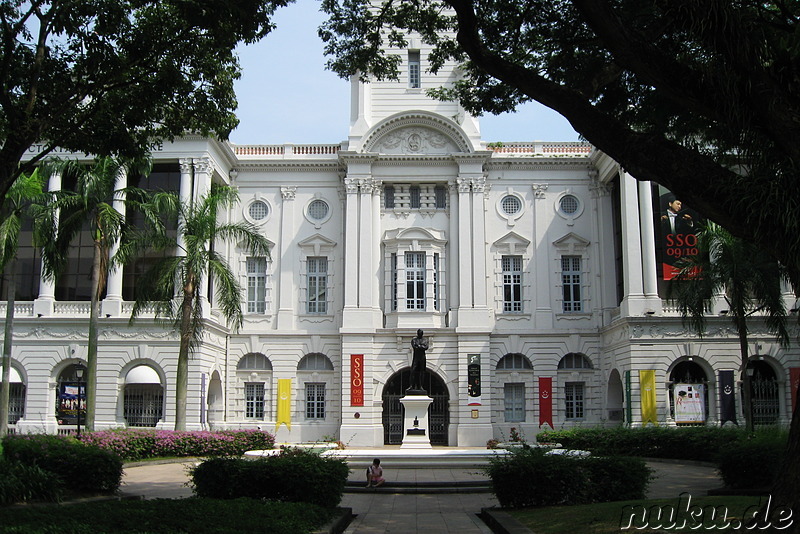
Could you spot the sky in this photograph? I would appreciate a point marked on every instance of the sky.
(286, 95)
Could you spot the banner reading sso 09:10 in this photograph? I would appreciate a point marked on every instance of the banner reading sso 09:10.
(676, 230)
(356, 380)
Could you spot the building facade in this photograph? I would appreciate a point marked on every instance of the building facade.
(534, 269)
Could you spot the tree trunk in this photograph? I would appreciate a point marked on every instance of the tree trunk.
(786, 489)
(91, 353)
(182, 378)
(8, 338)
(747, 401)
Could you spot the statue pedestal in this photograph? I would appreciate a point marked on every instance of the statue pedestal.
(415, 422)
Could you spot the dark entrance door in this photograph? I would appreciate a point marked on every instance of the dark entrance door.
(438, 412)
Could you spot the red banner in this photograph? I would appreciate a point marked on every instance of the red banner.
(545, 401)
(794, 379)
(356, 380)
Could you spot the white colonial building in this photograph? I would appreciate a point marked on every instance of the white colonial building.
(533, 268)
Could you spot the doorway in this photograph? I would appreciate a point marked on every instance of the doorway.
(438, 412)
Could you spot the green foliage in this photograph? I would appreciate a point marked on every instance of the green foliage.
(293, 476)
(140, 443)
(753, 462)
(26, 483)
(80, 467)
(166, 516)
(682, 443)
(116, 77)
(531, 477)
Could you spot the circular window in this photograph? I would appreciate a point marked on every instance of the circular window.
(569, 204)
(511, 205)
(318, 209)
(259, 210)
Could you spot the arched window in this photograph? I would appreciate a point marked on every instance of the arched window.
(514, 361)
(315, 361)
(143, 403)
(575, 360)
(16, 397)
(254, 361)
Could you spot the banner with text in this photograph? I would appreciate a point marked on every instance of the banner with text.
(356, 380)
(689, 403)
(676, 228)
(474, 379)
(545, 401)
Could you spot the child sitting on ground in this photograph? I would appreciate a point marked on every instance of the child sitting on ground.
(375, 474)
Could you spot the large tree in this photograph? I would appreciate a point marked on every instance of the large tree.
(173, 284)
(700, 96)
(750, 282)
(116, 77)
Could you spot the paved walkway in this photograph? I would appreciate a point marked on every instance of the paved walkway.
(385, 513)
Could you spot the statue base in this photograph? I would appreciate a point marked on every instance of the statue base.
(415, 421)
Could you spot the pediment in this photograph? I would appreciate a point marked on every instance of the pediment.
(571, 243)
(417, 133)
(316, 244)
(512, 243)
(415, 234)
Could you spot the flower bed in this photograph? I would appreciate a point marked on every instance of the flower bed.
(138, 444)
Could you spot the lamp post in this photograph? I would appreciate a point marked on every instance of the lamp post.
(79, 375)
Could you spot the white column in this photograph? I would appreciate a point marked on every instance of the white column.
(43, 305)
(633, 300)
(366, 267)
(464, 259)
(350, 275)
(650, 279)
(112, 304)
(185, 192)
(452, 257)
(479, 243)
(202, 185)
(377, 275)
(287, 261)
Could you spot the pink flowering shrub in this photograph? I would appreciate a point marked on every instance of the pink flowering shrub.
(138, 443)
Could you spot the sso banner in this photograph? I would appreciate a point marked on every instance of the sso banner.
(676, 228)
(356, 380)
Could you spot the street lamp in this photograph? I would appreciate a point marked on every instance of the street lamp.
(79, 374)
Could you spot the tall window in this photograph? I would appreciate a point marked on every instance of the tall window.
(414, 69)
(512, 283)
(573, 396)
(256, 285)
(514, 397)
(317, 273)
(16, 402)
(440, 195)
(254, 400)
(571, 283)
(436, 281)
(414, 197)
(315, 400)
(415, 280)
(388, 197)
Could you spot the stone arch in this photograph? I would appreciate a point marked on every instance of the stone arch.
(438, 412)
(416, 132)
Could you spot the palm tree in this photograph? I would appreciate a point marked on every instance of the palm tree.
(172, 285)
(90, 204)
(21, 201)
(747, 278)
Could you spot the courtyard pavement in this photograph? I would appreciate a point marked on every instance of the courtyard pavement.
(390, 513)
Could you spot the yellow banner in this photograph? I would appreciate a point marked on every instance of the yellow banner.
(647, 383)
(284, 403)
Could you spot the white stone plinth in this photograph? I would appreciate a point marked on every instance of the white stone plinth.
(415, 408)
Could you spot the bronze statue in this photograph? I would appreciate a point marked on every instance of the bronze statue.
(419, 345)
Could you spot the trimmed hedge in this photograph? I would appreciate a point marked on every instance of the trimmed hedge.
(293, 476)
(753, 462)
(679, 443)
(25, 483)
(140, 443)
(81, 467)
(530, 477)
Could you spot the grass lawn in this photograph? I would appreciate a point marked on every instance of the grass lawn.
(704, 513)
(164, 516)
